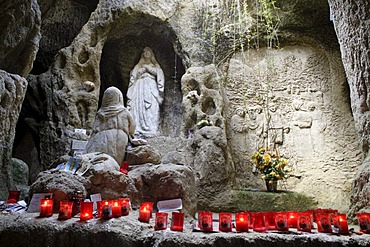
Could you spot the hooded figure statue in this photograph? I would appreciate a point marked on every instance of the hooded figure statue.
(112, 127)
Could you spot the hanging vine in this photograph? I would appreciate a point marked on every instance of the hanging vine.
(230, 26)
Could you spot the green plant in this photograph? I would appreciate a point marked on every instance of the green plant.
(235, 25)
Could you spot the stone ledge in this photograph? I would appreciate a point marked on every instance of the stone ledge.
(29, 230)
(256, 200)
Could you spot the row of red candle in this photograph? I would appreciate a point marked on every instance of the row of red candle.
(177, 222)
(161, 219)
(106, 209)
(258, 221)
(281, 221)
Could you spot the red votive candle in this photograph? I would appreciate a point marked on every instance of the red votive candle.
(311, 213)
(161, 220)
(323, 223)
(241, 222)
(259, 223)
(65, 210)
(304, 222)
(364, 222)
(250, 220)
(342, 224)
(149, 206)
(177, 223)
(106, 209)
(124, 167)
(77, 197)
(225, 222)
(281, 222)
(86, 210)
(334, 220)
(144, 213)
(99, 205)
(13, 196)
(292, 219)
(205, 221)
(125, 205)
(116, 209)
(46, 207)
(270, 220)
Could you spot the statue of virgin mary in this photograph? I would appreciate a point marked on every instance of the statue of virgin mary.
(145, 94)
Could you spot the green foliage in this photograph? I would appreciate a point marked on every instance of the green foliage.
(236, 25)
(270, 22)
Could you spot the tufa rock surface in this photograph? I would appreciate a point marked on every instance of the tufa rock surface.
(12, 92)
(143, 183)
(20, 22)
(142, 154)
(351, 24)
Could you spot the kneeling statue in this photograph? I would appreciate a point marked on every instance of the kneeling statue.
(112, 127)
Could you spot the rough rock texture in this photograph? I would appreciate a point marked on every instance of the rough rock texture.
(143, 183)
(351, 22)
(256, 200)
(203, 101)
(19, 176)
(61, 23)
(12, 93)
(142, 155)
(19, 40)
(28, 230)
(360, 200)
(210, 164)
(165, 181)
(61, 184)
(106, 178)
(20, 23)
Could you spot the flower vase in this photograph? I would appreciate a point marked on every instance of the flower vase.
(271, 187)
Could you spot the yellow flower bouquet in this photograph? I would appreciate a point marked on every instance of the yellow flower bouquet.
(272, 167)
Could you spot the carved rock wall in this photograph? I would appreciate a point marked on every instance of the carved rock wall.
(312, 122)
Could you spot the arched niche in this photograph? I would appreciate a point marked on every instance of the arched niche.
(122, 52)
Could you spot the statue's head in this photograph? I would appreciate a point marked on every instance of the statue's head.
(112, 96)
(147, 53)
(147, 56)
